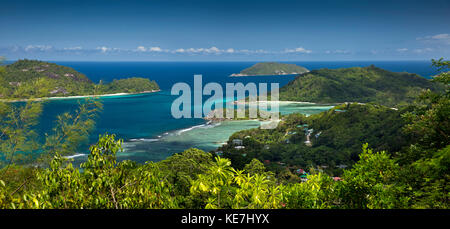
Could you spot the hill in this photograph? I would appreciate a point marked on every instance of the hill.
(131, 85)
(26, 79)
(271, 68)
(335, 139)
(357, 84)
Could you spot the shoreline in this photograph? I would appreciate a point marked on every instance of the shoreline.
(244, 75)
(279, 74)
(284, 102)
(75, 97)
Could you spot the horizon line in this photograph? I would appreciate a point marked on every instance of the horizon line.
(362, 60)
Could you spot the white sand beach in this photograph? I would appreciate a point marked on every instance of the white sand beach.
(75, 97)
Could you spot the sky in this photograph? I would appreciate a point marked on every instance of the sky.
(194, 30)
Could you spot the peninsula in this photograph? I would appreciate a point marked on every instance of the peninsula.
(357, 84)
(37, 80)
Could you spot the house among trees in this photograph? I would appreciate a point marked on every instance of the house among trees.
(300, 171)
(238, 142)
(318, 134)
(59, 90)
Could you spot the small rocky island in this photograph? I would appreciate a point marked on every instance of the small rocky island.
(271, 68)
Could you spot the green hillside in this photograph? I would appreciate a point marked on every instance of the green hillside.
(26, 79)
(131, 85)
(357, 84)
(272, 68)
(336, 138)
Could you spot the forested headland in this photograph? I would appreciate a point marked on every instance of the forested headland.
(357, 84)
(32, 79)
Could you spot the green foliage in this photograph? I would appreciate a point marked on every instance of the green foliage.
(272, 68)
(104, 183)
(182, 169)
(72, 129)
(318, 192)
(427, 161)
(28, 79)
(255, 167)
(342, 130)
(375, 181)
(131, 85)
(17, 135)
(372, 183)
(413, 175)
(224, 187)
(367, 84)
(20, 143)
(429, 120)
(429, 180)
(443, 66)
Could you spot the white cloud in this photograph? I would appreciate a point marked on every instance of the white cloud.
(141, 49)
(103, 49)
(443, 38)
(298, 50)
(150, 49)
(213, 50)
(247, 51)
(73, 48)
(155, 49)
(422, 50)
(230, 50)
(338, 51)
(402, 50)
(38, 48)
(180, 51)
(192, 50)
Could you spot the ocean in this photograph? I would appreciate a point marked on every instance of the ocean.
(145, 122)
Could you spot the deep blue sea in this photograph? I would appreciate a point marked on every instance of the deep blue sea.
(145, 122)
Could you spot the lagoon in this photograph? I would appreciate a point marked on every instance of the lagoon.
(144, 121)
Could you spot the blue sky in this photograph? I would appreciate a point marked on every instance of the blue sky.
(224, 30)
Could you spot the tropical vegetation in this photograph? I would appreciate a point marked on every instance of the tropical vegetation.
(407, 166)
(272, 68)
(357, 84)
(27, 79)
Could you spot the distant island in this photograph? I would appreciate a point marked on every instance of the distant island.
(271, 68)
(33, 79)
(357, 84)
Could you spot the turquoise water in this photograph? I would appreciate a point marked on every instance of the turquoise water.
(145, 122)
(149, 131)
(204, 136)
